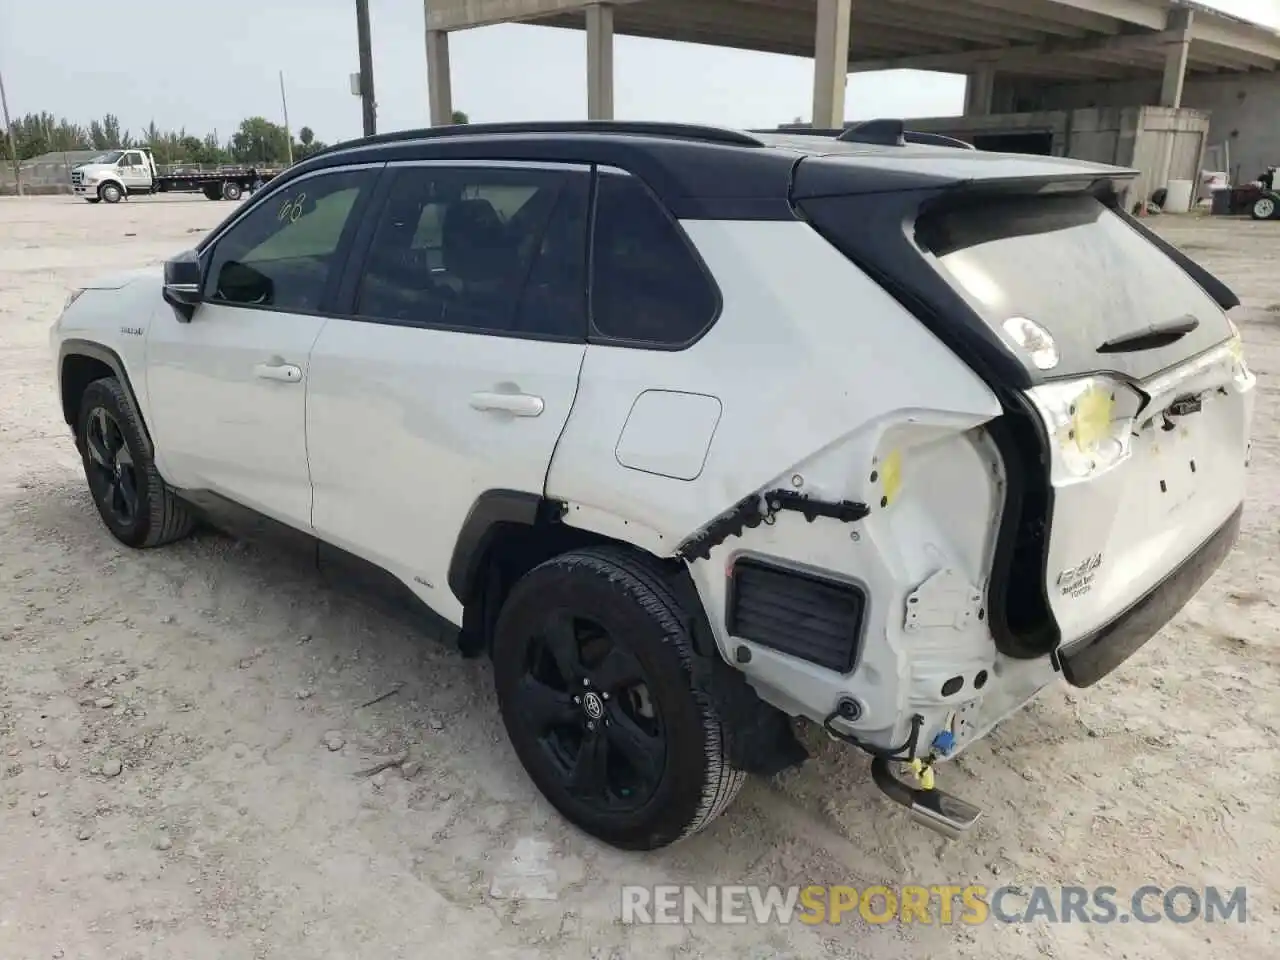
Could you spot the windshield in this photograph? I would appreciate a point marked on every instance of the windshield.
(1076, 269)
(112, 157)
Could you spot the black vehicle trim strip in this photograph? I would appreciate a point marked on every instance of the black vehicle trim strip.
(491, 511)
(1221, 294)
(351, 573)
(348, 289)
(103, 354)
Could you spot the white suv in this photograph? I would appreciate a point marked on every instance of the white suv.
(695, 431)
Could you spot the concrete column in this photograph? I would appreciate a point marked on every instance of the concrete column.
(1175, 58)
(439, 83)
(979, 92)
(600, 62)
(830, 63)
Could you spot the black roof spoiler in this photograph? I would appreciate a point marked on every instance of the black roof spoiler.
(882, 132)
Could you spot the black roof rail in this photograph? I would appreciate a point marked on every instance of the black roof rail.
(675, 131)
(801, 130)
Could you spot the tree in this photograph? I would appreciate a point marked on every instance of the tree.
(105, 134)
(111, 133)
(460, 117)
(40, 133)
(257, 141)
(260, 141)
(307, 144)
(213, 152)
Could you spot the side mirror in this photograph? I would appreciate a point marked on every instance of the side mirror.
(183, 283)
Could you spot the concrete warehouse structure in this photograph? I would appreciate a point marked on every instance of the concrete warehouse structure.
(1125, 81)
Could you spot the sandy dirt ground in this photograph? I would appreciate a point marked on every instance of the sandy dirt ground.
(182, 737)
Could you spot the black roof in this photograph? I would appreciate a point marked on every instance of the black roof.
(696, 171)
(699, 172)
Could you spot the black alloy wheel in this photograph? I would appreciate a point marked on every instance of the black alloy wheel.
(586, 699)
(113, 475)
(133, 500)
(605, 698)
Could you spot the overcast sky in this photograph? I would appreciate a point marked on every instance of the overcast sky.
(158, 59)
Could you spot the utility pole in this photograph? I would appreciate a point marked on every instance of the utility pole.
(366, 68)
(288, 134)
(13, 146)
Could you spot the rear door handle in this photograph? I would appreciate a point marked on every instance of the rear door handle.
(516, 404)
(284, 372)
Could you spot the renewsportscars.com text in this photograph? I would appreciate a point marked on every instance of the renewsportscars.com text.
(937, 904)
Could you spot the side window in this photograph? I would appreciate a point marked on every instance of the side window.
(647, 285)
(479, 248)
(282, 253)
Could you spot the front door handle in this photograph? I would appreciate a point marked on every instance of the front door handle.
(284, 372)
(516, 404)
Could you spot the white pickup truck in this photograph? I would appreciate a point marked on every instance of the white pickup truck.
(118, 174)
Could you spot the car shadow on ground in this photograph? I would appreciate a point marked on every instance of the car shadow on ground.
(321, 632)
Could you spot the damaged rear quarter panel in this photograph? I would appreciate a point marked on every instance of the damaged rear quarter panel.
(819, 372)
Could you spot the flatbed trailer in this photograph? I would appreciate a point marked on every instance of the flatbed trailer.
(223, 185)
(119, 174)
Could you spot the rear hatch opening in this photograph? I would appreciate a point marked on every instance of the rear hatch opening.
(1096, 336)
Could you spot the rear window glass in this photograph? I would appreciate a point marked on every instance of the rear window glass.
(647, 286)
(1078, 270)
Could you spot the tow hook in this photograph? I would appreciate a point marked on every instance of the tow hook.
(929, 806)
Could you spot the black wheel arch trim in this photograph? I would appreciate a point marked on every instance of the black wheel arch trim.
(97, 351)
(492, 510)
(496, 511)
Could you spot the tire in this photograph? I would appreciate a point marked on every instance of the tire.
(1265, 208)
(231, 190)
(111, 192)
(133, 500)
(620, 689)
(212, 192)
